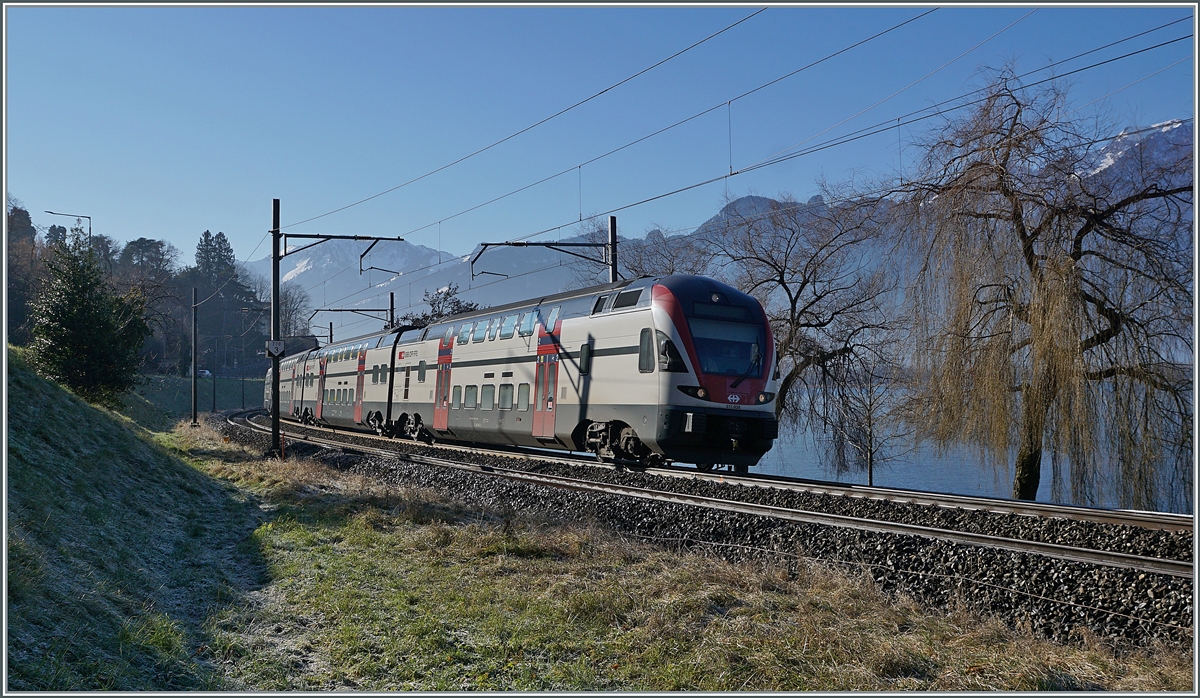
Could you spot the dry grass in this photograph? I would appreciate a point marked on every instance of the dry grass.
(179, 560)
(384, 588)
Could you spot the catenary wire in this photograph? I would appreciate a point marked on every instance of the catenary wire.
(717, 106)
(887, 125)
(533, 126)
(744, 220)
(655, 133)
(676, 124)
(748, 219)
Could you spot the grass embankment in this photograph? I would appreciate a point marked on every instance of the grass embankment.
(371, 587)
(118, 552)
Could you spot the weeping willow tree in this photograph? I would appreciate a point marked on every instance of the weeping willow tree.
(1052, 294)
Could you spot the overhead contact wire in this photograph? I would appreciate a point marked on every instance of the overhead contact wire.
(539, 123)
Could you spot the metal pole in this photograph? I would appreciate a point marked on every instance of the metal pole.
(275, 448)
(216, 348)
(612, 250)
(331, 332)
(392, 309)
(194, 422)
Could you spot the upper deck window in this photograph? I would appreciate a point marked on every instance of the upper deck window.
(527, 323)
(508, 326)
(627, 299)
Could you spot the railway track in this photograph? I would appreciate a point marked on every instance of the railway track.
(1151, 520)
(1172, 568)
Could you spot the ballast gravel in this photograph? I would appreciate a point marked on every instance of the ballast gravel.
(1054, 598)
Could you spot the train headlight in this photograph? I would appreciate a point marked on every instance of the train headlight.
(694, 391)
(764, 398)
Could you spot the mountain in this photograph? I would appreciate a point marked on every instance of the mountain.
(329, 272)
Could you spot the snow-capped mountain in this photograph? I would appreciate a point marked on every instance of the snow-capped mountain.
(329, 272)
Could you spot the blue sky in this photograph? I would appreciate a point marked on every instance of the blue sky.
(163, 122)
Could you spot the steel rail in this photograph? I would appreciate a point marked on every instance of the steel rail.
(1152, 520)
(1173, 568)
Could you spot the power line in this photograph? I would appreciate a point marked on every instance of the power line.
(883, 126)
(772, 82)
(528, 128)
(856, 135)
(693, 117)
(655, 133)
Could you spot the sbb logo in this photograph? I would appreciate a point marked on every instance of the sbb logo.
(733, 397)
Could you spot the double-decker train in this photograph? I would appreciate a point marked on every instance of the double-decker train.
(679, 368)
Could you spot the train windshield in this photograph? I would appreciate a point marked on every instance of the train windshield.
(728, 340)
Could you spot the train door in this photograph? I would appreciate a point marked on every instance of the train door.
(545, 385)
(441, 391)
(362, 375)
(407, 377)
(321, 363)
(546, 379)
(292, 391)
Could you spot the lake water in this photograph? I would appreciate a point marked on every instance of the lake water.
(957, 471)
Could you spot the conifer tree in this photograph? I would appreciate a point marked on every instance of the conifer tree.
(85, 335)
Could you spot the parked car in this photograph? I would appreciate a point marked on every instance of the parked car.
(203, 373)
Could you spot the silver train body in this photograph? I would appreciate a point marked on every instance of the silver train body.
(678, 368)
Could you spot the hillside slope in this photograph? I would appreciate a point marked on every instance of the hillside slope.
(118, 552)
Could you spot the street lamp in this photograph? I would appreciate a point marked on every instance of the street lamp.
(72, 215)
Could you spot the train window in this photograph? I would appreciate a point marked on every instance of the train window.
(465, 333)
(523, 397)
(456, 400)
(506, 374)
(599, 304)
(470, 397)
(508, 326)
(481, 329)
(493, 328)
(506, 396)
(487, 397)
(552, 319)
(449, 334)
(374, 374)
(421, 372)
(325, 396)
(627, 299)
(646, 351)
(527, 323)
(489, 374)
(350, 396)
(585, 359)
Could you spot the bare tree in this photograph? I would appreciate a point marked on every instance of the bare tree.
(818, 274)
(1052, 293)
(294, 310)
(657, 254)
(443, 303)
(866, 423)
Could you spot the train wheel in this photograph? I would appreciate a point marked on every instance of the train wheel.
(704, 467)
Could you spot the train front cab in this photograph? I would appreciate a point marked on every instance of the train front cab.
(715, 353)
